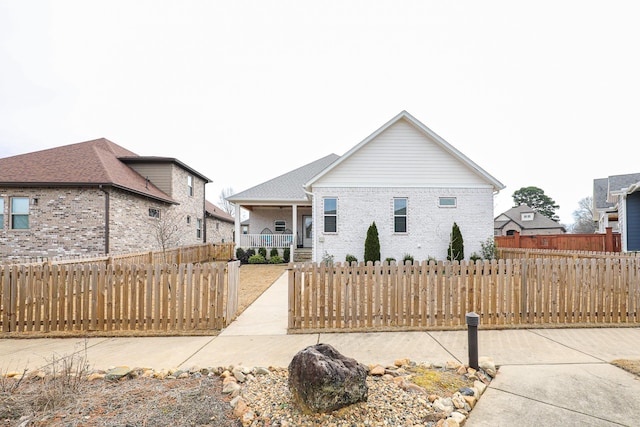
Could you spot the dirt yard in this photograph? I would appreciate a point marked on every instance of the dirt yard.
(254, 280)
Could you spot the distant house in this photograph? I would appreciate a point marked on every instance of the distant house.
(526, 221)
(616, 204)
(219, 224)
(404, 177)
(97, 197)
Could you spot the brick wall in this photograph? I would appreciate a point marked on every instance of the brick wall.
(428, 225)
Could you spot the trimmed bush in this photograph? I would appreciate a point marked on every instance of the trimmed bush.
(241, 256)
(273, 252)
(275, 259)
(350, 258)
(406, 258)
(388, 260)
(455, 252)
(263, 252)
(257, 259)
(286, 254)
(372, 244)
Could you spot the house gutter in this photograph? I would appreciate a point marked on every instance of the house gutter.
(106, 219)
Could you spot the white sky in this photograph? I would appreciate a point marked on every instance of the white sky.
(543, 93)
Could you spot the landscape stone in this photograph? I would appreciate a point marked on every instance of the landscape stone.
(323, 380)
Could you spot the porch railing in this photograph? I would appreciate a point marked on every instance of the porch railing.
(266, 240)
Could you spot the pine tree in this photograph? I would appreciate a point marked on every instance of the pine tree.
(456, 245)
(372, 244)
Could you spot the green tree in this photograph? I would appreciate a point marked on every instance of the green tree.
(372, 244)
(455, 251)
(583, 216)
(535, 198)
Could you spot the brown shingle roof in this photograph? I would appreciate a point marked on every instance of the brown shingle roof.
(216, 212)
(92, 163)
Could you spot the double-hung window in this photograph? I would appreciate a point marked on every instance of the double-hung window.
(19, 213)
(400, 215)
(330, 214)
(199, 228)
(190, 185)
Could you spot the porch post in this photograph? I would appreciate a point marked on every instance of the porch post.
(294, 224)
(237, 225)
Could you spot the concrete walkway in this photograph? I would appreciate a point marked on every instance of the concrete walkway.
(546, 376)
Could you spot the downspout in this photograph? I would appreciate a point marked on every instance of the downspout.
(106, 219)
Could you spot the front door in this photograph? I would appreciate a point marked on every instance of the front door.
(307, 236)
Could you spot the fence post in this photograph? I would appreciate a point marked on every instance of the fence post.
(473, 320)
(608, 240)
(516, 239)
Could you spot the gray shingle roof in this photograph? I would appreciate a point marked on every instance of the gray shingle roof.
(603, 187)
(287, 187)
(539, 221)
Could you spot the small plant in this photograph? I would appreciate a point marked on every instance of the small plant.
(431, 259)
(406, 258)
(372, 244)
(263, 252)
(327, 259)
(489, 249)
(389, 260)
(257, 259)
(275, 259)
(250, 252)
(273, 252)
(475, 257)
(350, 259)
(286, 254)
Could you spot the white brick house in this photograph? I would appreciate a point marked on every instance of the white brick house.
(407, 179)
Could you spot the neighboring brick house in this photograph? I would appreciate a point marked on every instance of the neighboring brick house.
(526, 221)
(97, 197)
(219, 224)
(407, 179)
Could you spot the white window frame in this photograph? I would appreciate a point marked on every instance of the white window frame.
(15, 214)
(326, 215)
(279, 225)
(190, 185)
(447, 205)
(405, 216)
(199, 228)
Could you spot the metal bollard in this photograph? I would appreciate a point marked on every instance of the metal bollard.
(473, 320)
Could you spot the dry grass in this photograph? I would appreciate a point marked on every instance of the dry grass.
(632, 366)
(254, 280)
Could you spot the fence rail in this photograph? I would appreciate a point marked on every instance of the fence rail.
(504, 293)
(160, 297)
(266, 240)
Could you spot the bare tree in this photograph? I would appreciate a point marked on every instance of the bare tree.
(227, 206)
(165, 229)
(583, 216)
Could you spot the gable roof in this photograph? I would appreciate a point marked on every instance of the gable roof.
(404, 115)
(89, 163)
(285, 188)
(215, 212)
(515, 215)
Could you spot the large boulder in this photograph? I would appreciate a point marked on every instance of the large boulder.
(323, 380)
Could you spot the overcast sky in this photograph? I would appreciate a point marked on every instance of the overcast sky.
(543, 93)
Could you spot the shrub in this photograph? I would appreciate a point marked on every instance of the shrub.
(241, 255)
(327, 259)
(250, 252)
(431, 258)
(286, 254)
(275, 259)
(372, 244)
(389, 259)
(455, 251)
(273, 252)
(488, 249)
(350, 258)
(474, 257)
(257, 259)
(406, 258)
(263, 252)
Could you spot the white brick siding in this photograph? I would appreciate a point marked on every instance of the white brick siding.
(428, 225)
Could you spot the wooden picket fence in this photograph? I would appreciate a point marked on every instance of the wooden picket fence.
(504, 293)
(121, 297)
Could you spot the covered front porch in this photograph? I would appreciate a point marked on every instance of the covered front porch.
(282, 226)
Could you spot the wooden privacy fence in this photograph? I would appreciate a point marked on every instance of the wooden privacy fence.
(607, 242)
(161, 297)
(504, 293)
